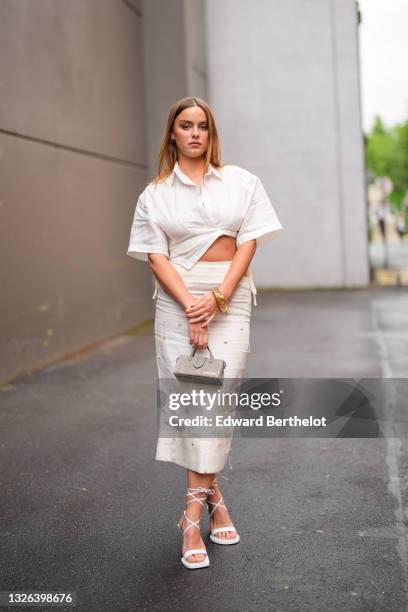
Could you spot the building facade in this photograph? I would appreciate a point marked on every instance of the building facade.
(86, 88)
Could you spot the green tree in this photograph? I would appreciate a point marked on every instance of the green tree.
(386, 154)
(400, 166)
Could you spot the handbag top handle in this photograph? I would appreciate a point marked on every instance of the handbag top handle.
(197, 363)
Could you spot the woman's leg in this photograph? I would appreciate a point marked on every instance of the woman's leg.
(192, 537)
(220, 517)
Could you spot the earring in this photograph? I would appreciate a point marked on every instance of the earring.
(172, 140)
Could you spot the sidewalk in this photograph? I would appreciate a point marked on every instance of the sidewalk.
(323, 523)
(390, 262)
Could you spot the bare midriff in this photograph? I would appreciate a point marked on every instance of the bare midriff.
(222, 249)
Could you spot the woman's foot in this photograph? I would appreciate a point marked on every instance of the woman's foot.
(189, 524)
(220, 516)
(192, 538)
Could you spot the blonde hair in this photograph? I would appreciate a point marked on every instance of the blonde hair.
(168, 150)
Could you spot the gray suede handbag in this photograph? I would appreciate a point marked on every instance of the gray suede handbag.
(200, 369)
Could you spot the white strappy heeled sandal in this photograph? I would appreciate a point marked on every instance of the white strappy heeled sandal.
(213, 537)
(193, 551)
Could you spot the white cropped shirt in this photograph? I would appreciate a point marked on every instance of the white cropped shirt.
(179, 220)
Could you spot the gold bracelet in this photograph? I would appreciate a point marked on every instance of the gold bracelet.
(221, 301)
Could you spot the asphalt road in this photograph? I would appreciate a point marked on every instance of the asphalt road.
(323, 522)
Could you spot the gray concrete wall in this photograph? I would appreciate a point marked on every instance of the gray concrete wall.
(73, 159)
(284, 84)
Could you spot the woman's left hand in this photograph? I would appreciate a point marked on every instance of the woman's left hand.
(206, 305)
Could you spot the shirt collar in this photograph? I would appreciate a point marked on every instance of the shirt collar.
(185, 179)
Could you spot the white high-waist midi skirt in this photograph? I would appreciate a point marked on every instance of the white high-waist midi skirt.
(228, 338)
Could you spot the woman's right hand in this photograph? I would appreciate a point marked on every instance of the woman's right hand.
(198, 335)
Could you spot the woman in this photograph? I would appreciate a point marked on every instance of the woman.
(198, 224)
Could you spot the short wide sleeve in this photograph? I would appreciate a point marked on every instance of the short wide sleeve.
(260, 220)
(146, 235)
